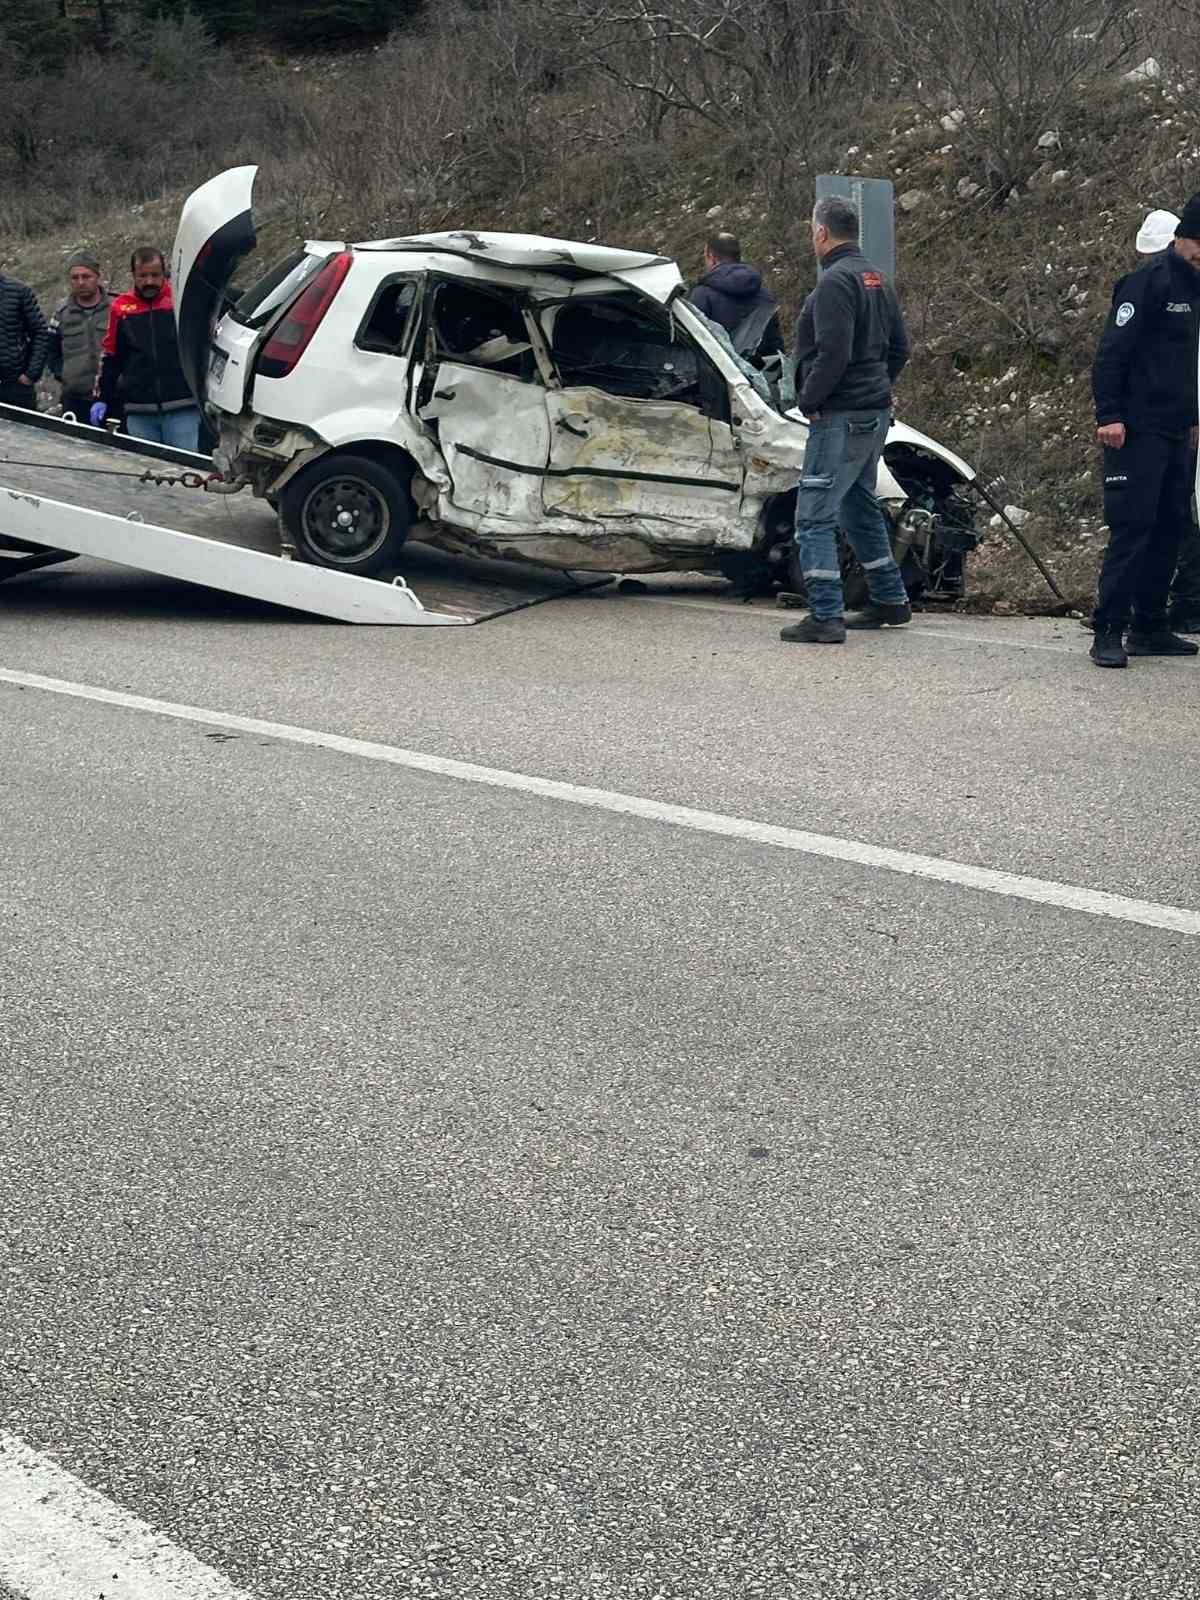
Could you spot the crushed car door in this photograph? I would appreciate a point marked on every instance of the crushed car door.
(480, 392)
(640, 427)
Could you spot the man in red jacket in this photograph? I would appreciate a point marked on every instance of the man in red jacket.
(139, 361)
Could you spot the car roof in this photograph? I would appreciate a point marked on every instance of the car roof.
(657, 276)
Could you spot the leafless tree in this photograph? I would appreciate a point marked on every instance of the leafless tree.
(1004, 69)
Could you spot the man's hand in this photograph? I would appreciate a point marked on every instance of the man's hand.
(26, 380)
(1112, 435)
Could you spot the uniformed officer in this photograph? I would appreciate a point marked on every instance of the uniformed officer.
(1144, 381)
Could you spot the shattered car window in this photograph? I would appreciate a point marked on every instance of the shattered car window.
(480, 328)
(388, 319)
(619, 347)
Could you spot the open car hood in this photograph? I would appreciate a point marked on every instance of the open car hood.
(216, 229)
(654, 276)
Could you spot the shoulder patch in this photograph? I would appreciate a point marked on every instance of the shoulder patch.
(1124, 313)
(872, 280)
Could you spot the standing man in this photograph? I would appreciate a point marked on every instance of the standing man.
(1183, 605)
(851, 346)
(77, 332)
(733, 293)
(139, 364)
(22, 344)
(1144, 385)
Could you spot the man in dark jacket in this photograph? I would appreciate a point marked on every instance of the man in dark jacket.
(851, 346)
(139, 364)
(1144, 386)
(77, 332)
(22, 344)
(732, 293)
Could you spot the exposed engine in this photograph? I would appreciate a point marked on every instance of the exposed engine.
(932, 533)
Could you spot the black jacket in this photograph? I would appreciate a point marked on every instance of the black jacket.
(22, 332)
(1144, 374)
(851, 342)
(139, 361)
(729, 293)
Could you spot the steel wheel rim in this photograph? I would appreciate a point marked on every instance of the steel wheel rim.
(346, 519)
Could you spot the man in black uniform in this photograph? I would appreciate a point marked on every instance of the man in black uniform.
(1144, 381)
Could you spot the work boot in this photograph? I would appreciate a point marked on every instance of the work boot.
(815, 630)
(1108, 651)
(1159, 642)
(877, 615)
(1188, 622)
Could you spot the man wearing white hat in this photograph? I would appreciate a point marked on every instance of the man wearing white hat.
(1183, 611)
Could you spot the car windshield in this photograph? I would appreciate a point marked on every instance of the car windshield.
(276, 289)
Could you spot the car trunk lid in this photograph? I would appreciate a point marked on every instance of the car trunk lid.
(216, 230)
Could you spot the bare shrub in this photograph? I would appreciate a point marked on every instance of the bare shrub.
(762, 66)
(1002, 71)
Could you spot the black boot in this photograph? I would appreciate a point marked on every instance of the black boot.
(876, 615)
(815, 630)
(1159, 641)
(1108, 651)
(1186, 622)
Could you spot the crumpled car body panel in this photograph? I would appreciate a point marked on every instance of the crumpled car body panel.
(552, 401)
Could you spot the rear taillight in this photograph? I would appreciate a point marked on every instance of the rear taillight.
(291, 336)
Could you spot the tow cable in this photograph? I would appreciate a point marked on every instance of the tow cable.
(157, 480)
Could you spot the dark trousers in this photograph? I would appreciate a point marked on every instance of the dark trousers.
(1147, 495)
(1185, 588)
(79, 401)
(13, 393)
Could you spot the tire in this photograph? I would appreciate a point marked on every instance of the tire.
(348, 513)
(854, 579)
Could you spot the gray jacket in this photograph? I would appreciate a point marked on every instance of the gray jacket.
(76, 334)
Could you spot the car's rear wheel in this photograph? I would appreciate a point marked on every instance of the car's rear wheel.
(348, 513)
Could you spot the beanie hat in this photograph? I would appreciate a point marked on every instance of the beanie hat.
(1156, 232)
(1189, 221)
(84, 258)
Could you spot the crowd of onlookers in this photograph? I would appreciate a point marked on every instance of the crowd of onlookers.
(115, 357)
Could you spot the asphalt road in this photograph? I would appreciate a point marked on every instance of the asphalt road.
(415, 1188)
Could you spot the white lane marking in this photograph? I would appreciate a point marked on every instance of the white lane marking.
(1040, 891)
(60, 1540)
(948, 633)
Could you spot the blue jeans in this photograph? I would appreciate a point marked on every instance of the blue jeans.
(838, 483)
(179, 428)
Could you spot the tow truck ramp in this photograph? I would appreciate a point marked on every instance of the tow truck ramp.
(144, 509)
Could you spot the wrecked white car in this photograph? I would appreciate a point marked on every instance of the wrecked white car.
(521, 397)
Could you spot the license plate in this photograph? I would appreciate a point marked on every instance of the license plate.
(216, 366)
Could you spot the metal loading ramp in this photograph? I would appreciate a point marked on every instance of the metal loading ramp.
(67, 491)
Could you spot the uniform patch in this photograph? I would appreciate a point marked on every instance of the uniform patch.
(1124, 313)
(872, 280)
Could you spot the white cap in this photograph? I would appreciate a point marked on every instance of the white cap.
(1156, 232)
